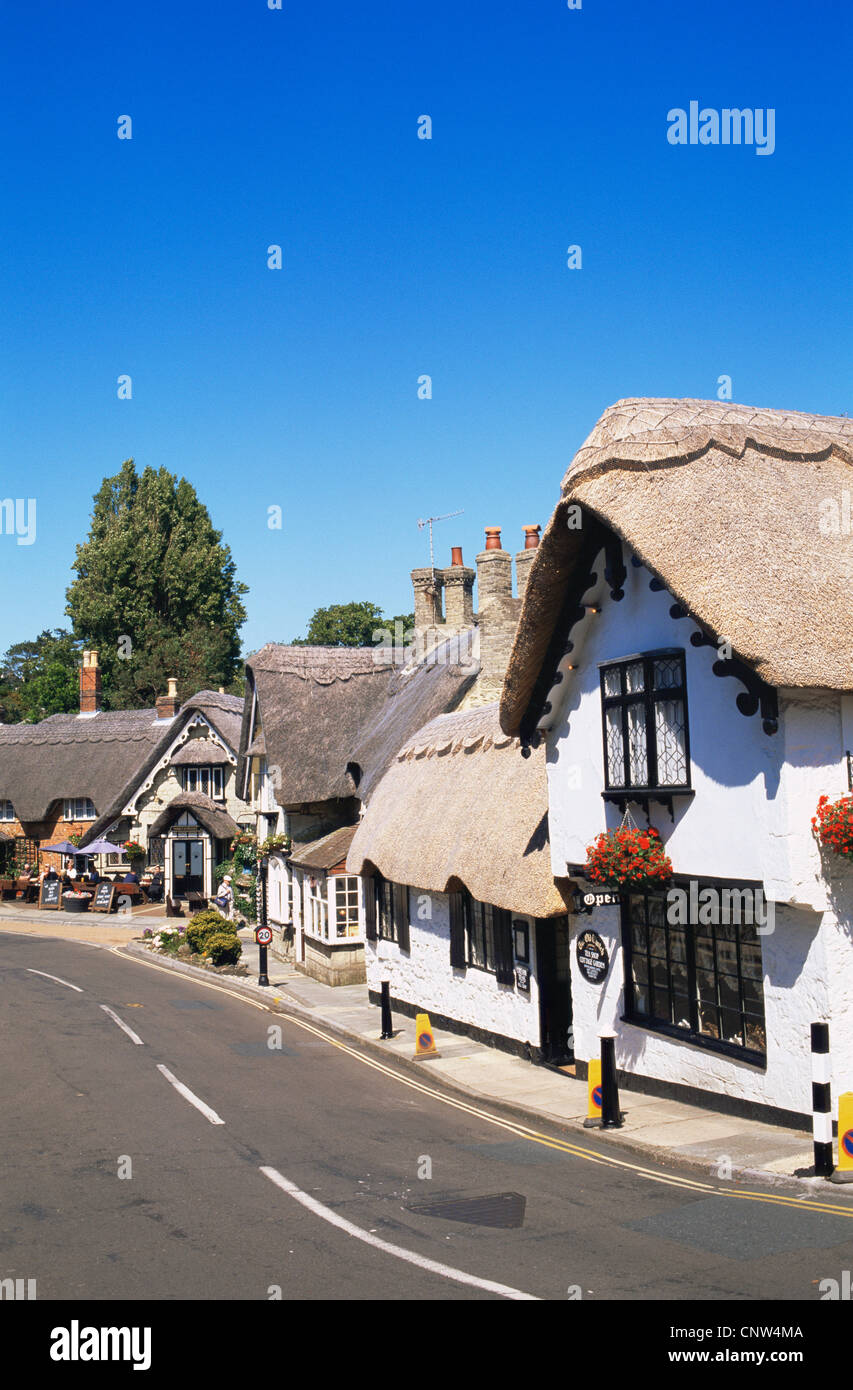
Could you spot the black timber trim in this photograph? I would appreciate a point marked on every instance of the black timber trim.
(571, 611)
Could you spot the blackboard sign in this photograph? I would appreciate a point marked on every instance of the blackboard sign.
(51, 892)
(592, 957)
(103, 899)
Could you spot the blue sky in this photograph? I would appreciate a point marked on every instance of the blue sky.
(401, 257)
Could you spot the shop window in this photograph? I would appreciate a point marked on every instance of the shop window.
(644, 711)
(701, 980)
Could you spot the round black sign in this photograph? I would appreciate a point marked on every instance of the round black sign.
(592, 957)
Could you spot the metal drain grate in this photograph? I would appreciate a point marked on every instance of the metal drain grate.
(502, 1209)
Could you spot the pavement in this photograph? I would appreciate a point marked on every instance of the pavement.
(720, 1145)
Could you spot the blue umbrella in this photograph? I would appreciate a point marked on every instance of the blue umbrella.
(64, 847)
(101, 847)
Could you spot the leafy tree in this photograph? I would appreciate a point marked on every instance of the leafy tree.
(39, 678)
(349, 625)
(156, 591)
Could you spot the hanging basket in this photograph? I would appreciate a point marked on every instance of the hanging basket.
(628, 857)
(833, 825)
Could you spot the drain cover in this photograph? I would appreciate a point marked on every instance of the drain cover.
(504, 1209)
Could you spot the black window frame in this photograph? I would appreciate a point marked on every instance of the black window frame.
(648, 698)
(498, 960)
(656, 1021)
(389, 920)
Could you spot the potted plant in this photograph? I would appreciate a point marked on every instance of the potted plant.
(628, 858)
(76, 902)
(833, 825)
(274, 844)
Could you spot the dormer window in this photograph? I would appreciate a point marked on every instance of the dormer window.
(78, 808)
(7, 810)
(644, 710)
(207, 780)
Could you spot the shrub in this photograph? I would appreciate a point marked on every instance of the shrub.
(206, 924)
(223, 949)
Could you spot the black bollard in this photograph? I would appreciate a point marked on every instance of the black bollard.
(263, 978)
(387, 1025)
(611, 1115)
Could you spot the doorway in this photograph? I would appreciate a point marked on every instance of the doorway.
(187, 867)
(555, 990)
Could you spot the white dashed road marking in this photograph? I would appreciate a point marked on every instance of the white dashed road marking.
(188, 1095)
(54, 977)
(134, 1037)
(433, 1266)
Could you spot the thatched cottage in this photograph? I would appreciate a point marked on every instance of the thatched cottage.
(164, 777)
(684, 653)
(322, 724)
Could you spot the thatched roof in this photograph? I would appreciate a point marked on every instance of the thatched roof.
(213, 817)
(723, 503)
(333, 717)
(326, 852)
(460, 805)
(200, 752)
(102, 756)
(66, 756)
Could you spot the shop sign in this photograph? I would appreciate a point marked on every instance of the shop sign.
(593, 959)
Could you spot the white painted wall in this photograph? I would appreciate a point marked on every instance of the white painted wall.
(423, 977)
(750, 818)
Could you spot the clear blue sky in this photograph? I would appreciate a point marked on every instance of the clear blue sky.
(401, 257)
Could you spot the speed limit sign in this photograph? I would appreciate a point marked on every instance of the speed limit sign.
(263, 935)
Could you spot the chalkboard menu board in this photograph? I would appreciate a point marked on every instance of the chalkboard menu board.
(103, 899)
(51, 892)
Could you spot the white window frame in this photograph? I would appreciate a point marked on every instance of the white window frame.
(195, 774)
(71, 811)
(353, 883)
(7, 811)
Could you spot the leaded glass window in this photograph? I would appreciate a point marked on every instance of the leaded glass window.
(644, 703)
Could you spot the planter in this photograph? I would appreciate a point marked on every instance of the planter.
(833, 825)
(72, 904)
(628, 858)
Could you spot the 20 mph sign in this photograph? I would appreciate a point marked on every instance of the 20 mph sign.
(263, 935)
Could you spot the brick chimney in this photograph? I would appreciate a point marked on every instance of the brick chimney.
(524, 558)
(459, 591)
(90, 684)
(168, 705)
(494, 570)
(427, 586)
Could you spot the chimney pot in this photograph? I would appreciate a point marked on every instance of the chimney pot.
(531, 537)
(456, 555)
(168, 705)
(493, 538)
(524, 558)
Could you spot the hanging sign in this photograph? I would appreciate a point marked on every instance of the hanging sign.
(593, 959)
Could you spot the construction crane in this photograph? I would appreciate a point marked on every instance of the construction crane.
(429, 522)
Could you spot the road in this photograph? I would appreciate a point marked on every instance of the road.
(306, 1181)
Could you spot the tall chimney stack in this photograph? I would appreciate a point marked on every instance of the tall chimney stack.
(168, 705)
(459, 591)
(524, 558)
(90, 684)
(427, 586)
(494, 570)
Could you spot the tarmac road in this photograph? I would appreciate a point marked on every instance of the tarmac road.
(297, 1168)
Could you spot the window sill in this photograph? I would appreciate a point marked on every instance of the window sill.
(644, 796)
(684, 1035)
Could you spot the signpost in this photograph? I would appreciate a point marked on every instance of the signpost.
(104, 897)
(263, 937)
(50, 894)
(593, 960)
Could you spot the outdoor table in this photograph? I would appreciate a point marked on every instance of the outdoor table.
(131, 890)
(7, 887)
(196, 900)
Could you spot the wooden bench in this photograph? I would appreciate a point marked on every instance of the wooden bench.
(8, 888)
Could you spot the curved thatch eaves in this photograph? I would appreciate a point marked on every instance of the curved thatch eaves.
(201, 752)
(729, 506)
(212, 817)
(460, 806)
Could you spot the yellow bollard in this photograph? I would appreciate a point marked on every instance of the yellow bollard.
(424, 1040)
(593, 1114)
(844, 1171)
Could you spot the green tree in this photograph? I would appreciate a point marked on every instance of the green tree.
(40, 678)
(350, 625)
(156, 592)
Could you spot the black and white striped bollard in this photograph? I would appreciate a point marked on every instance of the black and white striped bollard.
(821, 1101)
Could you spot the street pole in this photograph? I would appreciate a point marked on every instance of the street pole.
(611, 1115)
(387, 1023)
(821, 1101)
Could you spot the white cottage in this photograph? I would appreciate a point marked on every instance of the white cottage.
(684, 652)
